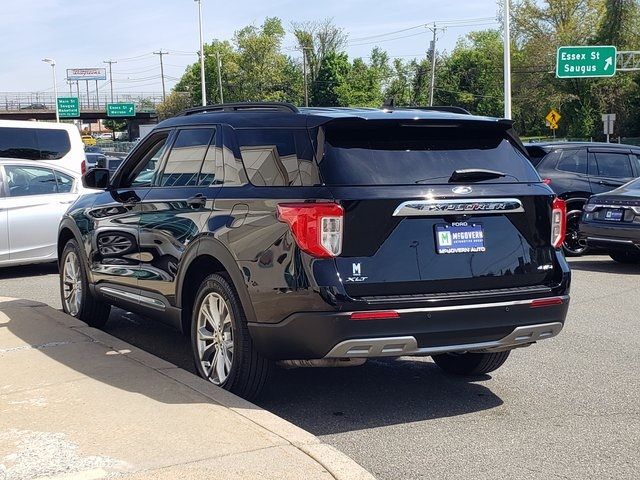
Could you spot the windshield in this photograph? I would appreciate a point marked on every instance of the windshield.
(404, 155)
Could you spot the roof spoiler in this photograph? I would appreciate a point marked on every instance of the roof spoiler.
(435, 108)
(242, 106)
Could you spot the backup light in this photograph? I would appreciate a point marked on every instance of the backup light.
(316, 227)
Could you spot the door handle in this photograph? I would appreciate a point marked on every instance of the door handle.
(197, 201)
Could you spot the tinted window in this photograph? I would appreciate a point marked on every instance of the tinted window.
(392, 154)
(211, 172)
(145, 172)
(65, 182)
(186, 157)
(54, 144)
(614, 165)
(278, 157)
(19, 143)
(574, 161)
(24, 181)
(34, 143)
(234, 172)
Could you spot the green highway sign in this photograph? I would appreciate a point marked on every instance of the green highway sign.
(68, 107)
(586, 62)
(121, 110)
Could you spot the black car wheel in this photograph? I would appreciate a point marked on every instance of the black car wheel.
(572, 245)
(222, 347)
(471, 363)
(76, 297)
(625, 257)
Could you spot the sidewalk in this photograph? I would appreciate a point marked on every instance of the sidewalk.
(76, 403)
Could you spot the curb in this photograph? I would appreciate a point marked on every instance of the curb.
(339, 465)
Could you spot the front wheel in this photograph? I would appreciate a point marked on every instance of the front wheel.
(573, 246)
(471, 363)
(76, 297)
(222, 347)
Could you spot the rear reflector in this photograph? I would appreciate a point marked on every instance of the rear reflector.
(316, 227)
(379, 315)
(546, 302)
(558, 222)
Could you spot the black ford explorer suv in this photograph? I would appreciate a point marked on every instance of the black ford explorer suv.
(275, 233)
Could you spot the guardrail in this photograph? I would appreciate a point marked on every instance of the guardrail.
(15, 101)
(109, 146)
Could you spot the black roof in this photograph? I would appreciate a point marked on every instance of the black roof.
(286, 115)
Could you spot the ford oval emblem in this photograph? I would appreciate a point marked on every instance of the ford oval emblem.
(462, 190)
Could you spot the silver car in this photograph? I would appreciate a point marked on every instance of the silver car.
(33, 198)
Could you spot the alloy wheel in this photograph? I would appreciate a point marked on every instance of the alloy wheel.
(214, 338)
(72, 284)
(572, 243)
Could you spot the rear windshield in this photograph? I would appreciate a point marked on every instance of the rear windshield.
(404, 155)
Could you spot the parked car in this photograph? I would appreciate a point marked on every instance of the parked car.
(611, 221)
(56, 144)
(275, 233)
(577, 170)
(33, 198)
(88, 140)
(94, 160)
(34, 106)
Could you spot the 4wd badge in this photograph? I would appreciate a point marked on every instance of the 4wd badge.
(356, 269)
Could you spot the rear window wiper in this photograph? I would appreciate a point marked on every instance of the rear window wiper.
(475, 175)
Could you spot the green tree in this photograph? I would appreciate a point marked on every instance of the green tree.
(115, 126)
(331, 76)
(175, 103)
(319, 39)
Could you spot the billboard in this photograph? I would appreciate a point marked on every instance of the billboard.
(86, 73)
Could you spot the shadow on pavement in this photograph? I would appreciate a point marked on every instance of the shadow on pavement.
(28, 270)
(379, 393)
(604, 265)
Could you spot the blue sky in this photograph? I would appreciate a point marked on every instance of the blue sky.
(84, 33)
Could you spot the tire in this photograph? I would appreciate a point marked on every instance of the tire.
(471, 363)
(572, 246)
(223, 350)
(75, 295)
(625, 257)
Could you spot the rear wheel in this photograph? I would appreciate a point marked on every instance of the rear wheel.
(470, 363)
(572, 246)
(222, 347)
(76, 297)
(625, 257)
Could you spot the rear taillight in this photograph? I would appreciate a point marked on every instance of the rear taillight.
(558, 222)
(83, 167)
(316, 227)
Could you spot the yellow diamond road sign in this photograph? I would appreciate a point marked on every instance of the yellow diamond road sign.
(553, 117)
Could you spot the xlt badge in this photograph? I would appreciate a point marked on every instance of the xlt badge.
(356, 269)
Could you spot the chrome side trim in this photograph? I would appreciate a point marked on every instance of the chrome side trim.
(466, 206)
(611, 240)
(150, 302)
(408, 345)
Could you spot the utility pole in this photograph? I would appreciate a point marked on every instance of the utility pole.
(160, 54)
(202, 79)
(110, 62)
(434, 29)
(304, 74)
(507, 61)
(220, 76)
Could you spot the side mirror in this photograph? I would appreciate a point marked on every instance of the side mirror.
(97, 178)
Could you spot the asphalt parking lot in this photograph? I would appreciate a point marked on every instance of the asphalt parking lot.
(566, 408)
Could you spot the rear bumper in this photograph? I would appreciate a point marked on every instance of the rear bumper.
(416, 331)
(611, 236)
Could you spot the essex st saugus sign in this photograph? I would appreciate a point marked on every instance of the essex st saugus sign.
(586, 62)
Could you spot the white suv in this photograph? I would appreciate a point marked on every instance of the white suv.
(58, 144)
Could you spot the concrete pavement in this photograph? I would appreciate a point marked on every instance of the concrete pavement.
(77, 403)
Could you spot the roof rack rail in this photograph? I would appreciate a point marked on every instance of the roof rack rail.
(242, 106)
(442, 108)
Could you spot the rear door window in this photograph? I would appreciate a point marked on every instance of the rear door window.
(574, 161)
(186, 156)
(396, 154)
(64, 182)
(614, 165)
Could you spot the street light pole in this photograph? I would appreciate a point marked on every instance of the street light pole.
(202, 80)
(304, 74)
(507, 61)
(52, 62)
